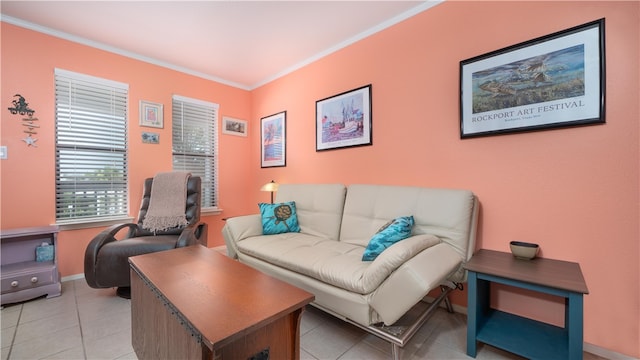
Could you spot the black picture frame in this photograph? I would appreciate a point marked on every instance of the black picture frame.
(273, 140)
(344, 120)
(553, 81)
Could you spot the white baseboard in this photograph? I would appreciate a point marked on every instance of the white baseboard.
(590, 348)
(605, 353)
(72, 277)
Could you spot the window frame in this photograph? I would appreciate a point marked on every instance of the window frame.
(177, 119)
(114, 119)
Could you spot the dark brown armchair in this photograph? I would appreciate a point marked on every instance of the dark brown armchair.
(106, 260)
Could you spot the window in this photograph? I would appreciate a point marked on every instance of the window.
(195, 143)
(91, 148)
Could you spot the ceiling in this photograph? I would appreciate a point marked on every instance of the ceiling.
(240, 43)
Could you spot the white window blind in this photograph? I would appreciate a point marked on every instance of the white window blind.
(195, 142)
(91, 148)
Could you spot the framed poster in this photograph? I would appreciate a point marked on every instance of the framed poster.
(273, 134)
(553, 81)
(231, 126)
(151, 114)
(344, 120)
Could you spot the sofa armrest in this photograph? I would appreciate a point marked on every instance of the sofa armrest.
(399, 253)
(413, 280)
(239, 228)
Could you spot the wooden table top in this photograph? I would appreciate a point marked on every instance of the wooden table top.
(557, 274)
(222, 298)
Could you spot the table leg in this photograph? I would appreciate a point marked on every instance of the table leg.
(477, 309)
(573, 323)
(472, 313)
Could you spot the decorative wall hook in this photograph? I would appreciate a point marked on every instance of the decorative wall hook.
(21, 106)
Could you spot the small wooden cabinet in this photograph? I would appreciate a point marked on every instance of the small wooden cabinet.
(24, 278)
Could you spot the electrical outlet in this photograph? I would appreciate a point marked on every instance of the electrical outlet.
(3, 152)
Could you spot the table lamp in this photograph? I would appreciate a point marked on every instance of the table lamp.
(271, 187)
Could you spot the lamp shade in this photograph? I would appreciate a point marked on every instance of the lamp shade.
(270, 186)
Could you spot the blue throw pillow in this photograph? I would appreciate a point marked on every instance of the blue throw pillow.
(389, 234)
(279, 218)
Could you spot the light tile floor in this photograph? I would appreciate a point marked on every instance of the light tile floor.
(85, 323)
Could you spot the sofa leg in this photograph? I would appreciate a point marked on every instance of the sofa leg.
(447, 302)
(395, 351)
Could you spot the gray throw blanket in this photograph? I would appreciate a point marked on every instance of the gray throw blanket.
(167, 202)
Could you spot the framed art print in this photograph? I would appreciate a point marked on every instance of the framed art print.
(344, 120)
(151, 114)
(231, 126)
(150, 138)
(553, 81)
(273, 134)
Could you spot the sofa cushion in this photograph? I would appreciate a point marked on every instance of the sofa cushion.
(319, 207)
(279, 218)
(389, 234)
(335, 263)
(449, 214)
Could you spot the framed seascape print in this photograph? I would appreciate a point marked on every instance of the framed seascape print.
(273, 134)
(553, 81)
(344, 120)
(231, 126)
(151, 114)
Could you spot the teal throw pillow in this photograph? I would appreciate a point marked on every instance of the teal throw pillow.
(279, 218)
(389, 234)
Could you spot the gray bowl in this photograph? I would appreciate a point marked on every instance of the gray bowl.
(524, 250)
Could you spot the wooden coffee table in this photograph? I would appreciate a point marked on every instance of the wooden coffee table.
(195, 303)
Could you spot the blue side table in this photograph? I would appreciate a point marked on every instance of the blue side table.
(525, 337)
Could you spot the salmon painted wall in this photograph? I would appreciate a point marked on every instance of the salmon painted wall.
(28, 175)
(575, 191)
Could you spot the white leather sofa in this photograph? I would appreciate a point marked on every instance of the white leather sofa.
(336, 224)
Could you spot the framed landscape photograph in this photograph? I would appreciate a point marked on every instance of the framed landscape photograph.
(231, 126)
(273, 134)
(344, 120)
(553, 81)
(151, 114)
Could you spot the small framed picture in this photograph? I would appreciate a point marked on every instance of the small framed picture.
(231, 126)
(151, 114)
(150, 138)
(273, 140)
(344, 120)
